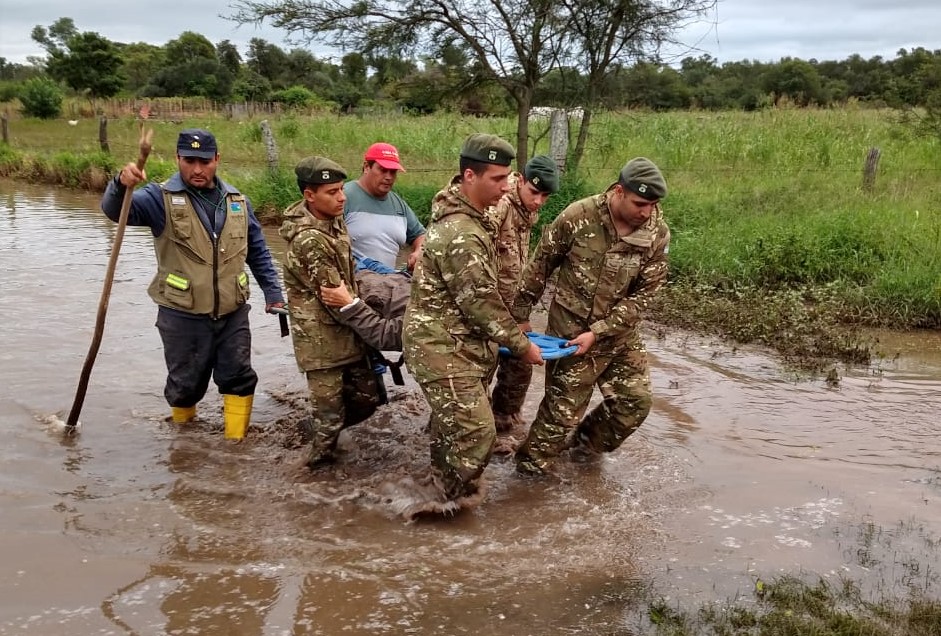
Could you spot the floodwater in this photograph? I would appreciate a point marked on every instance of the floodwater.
(138, 526)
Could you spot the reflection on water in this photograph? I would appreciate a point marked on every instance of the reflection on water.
(138, 526)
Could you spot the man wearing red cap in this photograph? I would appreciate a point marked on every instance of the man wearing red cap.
(379, 221)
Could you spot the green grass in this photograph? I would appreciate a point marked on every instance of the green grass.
(790, 606)
(761, 203)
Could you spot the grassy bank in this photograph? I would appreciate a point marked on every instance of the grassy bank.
(767, 209)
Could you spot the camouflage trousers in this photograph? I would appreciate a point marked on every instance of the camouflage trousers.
(513, 378)
(624, 382)
(462, 432)
(339, 397)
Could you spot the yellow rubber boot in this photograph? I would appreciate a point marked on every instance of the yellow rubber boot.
(182, 414)
(237, 411)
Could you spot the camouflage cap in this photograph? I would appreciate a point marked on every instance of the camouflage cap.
(543, 173)
(642, 177)
(488, 149)
(319, 170)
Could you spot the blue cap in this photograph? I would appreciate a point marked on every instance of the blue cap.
(195, 142)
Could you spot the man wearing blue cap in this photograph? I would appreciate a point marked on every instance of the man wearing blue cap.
(205, 232)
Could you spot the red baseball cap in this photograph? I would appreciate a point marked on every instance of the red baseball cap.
(386, 155)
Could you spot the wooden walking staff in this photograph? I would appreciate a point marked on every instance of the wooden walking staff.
(72, 422)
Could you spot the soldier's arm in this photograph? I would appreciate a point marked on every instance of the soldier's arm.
(628, 311)
(472, 281)
(550, 251)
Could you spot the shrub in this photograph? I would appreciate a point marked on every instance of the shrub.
(9, 91)
(41, 98)
(294, 97)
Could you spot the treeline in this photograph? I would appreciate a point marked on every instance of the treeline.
(86, 63)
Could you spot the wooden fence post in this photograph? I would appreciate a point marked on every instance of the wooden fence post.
(271, 148)
(103, 134)
(559, 136)
(4, 128)
(870, 169)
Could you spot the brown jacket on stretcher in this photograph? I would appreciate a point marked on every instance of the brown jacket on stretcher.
(377, 316)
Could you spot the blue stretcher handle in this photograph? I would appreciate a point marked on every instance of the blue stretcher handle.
(552, 347)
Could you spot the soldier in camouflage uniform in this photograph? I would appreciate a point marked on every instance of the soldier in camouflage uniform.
(610, 251)
(515, 215)
(456, 319)
(342, 384)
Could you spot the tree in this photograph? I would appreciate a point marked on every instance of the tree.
(84, 61)
(250, 86)
(189, 47)
(12, 71)
(92, 63)
(795, 79)
(56, 37)
(142, 61)
(228, 56)
(268, 60)
(608, 34)
(513, 42)
(202, 77)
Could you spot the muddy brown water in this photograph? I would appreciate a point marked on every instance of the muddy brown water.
(137, 526)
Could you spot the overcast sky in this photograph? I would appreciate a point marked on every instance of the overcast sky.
(763, 30)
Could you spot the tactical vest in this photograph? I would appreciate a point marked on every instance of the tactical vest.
(194, 273)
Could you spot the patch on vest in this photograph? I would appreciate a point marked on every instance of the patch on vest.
(235, 207)
(175, 200)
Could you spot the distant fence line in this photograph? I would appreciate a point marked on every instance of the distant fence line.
(169, 108)
(176, 109)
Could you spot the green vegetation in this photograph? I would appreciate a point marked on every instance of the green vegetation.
(893, 593)
(789, 606)
(444, 73)
(775, 239)
(40, 98)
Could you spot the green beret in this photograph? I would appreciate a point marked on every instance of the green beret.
(642, 177)
(543, 173)
(319, 170)
(488, 149)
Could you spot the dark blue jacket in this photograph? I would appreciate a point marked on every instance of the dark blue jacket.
(147, 210)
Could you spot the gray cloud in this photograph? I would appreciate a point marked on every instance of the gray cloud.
(763, 30)
(821, 29)
(124, 22)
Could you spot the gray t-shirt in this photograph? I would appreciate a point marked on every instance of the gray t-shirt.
(379, 228)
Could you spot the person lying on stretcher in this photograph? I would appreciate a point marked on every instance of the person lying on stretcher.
(376, 314)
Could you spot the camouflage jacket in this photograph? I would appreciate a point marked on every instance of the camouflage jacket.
(604, 282)
(318, 253)
(514, 225)
(455, 317)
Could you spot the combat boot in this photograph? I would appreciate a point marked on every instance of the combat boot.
(582, 451)
(237, 412)
(506, 422)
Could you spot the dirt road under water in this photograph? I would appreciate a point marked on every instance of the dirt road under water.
(137, 526)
